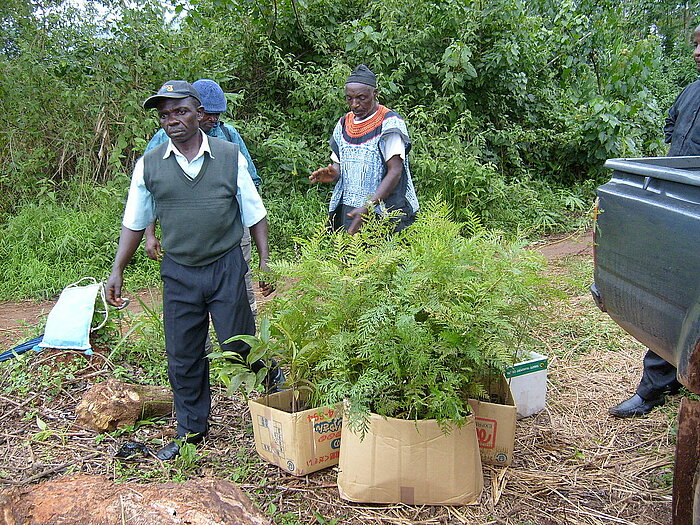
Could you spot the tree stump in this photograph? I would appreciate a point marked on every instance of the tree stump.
(77, 500)
(112, 404)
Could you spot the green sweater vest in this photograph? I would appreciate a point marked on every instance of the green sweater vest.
(200, 218)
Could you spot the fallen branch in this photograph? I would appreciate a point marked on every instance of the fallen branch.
(48, 471)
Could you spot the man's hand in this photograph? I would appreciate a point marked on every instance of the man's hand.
(265, 287)
(328, 174)
(152, 244)
(358, 218)
(113, 289)
(258, 232)
(129, 241)
(152, 247)
(394, 168)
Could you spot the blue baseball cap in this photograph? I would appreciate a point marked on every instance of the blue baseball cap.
(212, 96)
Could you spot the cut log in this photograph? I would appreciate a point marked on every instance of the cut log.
(112, 404)
(77, 500)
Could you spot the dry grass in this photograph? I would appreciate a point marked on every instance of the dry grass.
(573, 463)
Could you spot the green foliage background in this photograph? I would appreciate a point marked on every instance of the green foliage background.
(512, 106)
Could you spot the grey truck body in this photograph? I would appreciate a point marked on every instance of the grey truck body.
(647, 256)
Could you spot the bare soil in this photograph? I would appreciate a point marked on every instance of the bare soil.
(559, 246)
(21, 320)
(574, 464)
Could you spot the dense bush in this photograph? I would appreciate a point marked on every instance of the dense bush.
(401, 325)
(512, 106)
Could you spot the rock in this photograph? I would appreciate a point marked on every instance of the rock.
(96, 500)
(113, 404)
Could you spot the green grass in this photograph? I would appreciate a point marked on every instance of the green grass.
(288, 518)
(51, 243)
(139, 353)
(574, 275)
(45, 247)
(573, 325)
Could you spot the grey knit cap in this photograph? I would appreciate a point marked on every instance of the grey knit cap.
(363, 75)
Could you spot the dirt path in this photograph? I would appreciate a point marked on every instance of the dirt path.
(558, 246)
(21, 320)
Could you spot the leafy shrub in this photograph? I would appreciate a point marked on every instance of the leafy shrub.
(503, 99)
(403, 325)
(295, 215)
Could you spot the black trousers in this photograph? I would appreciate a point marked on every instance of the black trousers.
(190, 295)
(659, 376)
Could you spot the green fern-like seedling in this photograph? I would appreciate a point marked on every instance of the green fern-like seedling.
(403, 324)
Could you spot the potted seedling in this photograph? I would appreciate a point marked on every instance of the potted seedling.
(291, 430)
(405, 327)
(402, 328)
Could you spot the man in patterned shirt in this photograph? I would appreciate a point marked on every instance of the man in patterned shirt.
(369, 160)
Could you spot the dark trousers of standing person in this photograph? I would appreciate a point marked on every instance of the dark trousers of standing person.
(658, 377)
(190, 295)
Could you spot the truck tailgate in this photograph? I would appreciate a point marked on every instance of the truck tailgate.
(648, 248)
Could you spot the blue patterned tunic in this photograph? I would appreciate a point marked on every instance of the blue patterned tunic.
(362, 165)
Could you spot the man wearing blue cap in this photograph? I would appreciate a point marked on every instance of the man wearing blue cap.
(369, 160)
(202, 193)
(214, 101)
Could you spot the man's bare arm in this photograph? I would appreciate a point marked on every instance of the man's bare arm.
(129, 241)
(259, 234)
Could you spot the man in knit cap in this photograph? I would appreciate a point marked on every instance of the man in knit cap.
(202, 193)
(214, 102)
(369, 160)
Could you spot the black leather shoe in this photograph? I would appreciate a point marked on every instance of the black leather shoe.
(636, 406)
(169, 451)
(172, 449)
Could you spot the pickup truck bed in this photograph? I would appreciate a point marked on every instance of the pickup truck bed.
(647, 256)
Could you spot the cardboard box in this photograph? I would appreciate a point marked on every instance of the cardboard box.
(495, 423)
(411, 462)
(298, 442)
(528, 383)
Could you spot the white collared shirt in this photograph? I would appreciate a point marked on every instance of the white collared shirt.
(140, 206)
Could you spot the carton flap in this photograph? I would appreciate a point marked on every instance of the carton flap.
(495, 423)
